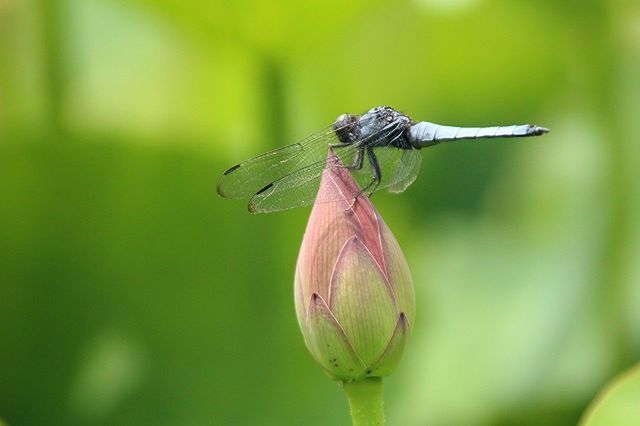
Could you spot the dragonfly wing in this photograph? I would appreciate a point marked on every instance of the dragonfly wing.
(388, 159)
(244, 180)
(300, 187)
(398, 168)
(406, 171)
(297, 189)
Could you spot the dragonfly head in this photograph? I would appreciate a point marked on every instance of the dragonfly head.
(347, 128)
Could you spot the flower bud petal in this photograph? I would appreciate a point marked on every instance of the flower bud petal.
(328, 343)
(362, 301)
(389, 359)
(399, 273)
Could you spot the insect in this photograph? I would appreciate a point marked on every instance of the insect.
(380, 148)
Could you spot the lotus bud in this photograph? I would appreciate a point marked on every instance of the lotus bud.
(353, 289)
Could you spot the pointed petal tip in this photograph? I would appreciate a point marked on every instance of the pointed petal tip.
(403, 321)
(317, 303)
(328, 343)
(337, 183)
(390, 357)
(314, 303)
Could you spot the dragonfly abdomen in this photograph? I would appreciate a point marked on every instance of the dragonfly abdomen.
(425, 134)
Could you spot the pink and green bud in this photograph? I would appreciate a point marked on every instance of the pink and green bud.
(353, 288)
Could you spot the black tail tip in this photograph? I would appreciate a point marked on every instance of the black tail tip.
(538, 130)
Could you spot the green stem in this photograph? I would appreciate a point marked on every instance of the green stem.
(366, 401)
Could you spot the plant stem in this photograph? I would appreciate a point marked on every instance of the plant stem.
(366, 401)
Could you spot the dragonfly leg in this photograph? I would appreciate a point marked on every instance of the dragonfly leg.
(377, 176)
(375, 169)
(340, 144)
(358, 160)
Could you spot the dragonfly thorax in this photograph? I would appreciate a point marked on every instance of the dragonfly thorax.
(385, 126)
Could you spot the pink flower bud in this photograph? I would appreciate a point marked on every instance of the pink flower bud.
(353, 288)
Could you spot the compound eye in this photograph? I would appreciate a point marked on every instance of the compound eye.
(342, 120)
(345, 127)
(389, 118)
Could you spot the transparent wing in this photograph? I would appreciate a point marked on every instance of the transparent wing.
(300, 187)
(247, 178)
(399, 168)
(406, 171)
(389, 160)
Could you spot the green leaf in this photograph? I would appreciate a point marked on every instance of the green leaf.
(618, 403)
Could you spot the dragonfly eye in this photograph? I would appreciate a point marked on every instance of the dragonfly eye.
(346, 128)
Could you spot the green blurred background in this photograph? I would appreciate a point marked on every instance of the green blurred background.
(130, 294)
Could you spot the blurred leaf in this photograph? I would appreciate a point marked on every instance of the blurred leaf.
(111, 227)
(278, 27)
(618, 404)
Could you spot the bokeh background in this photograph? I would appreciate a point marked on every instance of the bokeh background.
(130, 294)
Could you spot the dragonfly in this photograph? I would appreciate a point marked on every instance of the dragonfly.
(381, 149)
